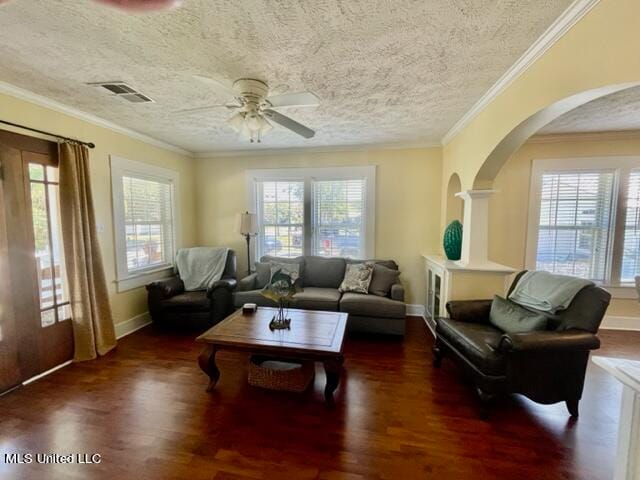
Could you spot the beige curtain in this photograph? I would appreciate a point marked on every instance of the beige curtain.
(93, 329)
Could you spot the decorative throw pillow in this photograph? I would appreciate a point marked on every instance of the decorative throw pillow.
(382, 279)
(291, 269)
(263, 274)
(512, 318)
(357, 278)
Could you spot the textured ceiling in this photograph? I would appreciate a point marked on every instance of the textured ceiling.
(386, 71)
(618, 111)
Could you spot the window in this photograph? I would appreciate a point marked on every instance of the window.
(144, 198)
(281, 208)
(631, 245)
(45, 211)
(314, 211)
(575, 219)
(585, 218)
(338, 212)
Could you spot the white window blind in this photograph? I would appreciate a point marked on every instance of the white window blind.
(148, 221)
(338, 218)
(281, 217)
(314, 211)
(631, 248)
(575, 223)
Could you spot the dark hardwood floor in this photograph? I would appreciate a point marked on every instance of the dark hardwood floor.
(144, 409)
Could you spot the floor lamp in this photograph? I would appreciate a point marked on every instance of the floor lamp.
(249, 228)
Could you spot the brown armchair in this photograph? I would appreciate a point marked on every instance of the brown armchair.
(170, 304)
(546, 366)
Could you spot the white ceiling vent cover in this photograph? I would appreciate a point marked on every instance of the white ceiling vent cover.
(122, 90)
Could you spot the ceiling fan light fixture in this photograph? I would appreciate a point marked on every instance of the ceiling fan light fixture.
(254, 121)
(245, 132)
(237, 122)
(265, 126)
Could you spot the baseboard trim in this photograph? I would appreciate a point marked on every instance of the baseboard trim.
(132, 325)
(613, 322)
(44, 374)
(415, 310)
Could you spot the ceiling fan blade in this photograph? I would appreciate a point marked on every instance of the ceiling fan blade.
(289, 123)
(219, 87)
(300, 99)
(189, 111)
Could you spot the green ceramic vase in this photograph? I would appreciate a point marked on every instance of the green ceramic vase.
(452, 241)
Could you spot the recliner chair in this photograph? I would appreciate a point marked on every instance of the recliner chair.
(170, 304)
(546, 366)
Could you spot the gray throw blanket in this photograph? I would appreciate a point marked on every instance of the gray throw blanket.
(547, 292)
(201, 267)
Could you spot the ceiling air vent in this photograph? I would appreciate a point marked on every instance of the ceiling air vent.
(122, 90)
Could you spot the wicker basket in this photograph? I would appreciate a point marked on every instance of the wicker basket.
(280, 374)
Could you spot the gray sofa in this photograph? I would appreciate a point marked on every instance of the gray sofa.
(321, 278)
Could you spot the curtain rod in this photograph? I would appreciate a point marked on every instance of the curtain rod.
(73, 140)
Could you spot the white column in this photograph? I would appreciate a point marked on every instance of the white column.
(475, 227)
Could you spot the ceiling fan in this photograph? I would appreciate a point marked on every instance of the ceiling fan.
(255, 109)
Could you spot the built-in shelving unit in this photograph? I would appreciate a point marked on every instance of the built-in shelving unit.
(450, 280)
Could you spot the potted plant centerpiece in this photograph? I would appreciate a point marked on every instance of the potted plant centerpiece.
(281, 290)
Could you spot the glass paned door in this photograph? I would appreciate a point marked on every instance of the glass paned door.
(50, 270)
(35, 288)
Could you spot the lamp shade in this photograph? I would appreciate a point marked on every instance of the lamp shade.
(248, 224)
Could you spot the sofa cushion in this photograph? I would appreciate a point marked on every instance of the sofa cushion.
(291, 270)
(263, 274)
(382, 279)
(310, 298)
(252, 296)
(372, 306)
(357, 277)
(299, 260)
(323, 272)
(314, 298)
(195, 301)
(385, 263)
(512, 318)
(476, 342)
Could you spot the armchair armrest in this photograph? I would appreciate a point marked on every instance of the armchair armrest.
(471, 311)
(247, 283)
(549, 341)
(166, 288)
(225, 283)
(397, 292)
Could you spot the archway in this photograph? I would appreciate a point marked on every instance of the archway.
(588, 60)
(522, 132)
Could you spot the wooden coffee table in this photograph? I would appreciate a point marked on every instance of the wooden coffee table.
(314, 335)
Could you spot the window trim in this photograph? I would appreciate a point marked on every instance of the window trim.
(308, 176)
(121, 167)
(621, 165)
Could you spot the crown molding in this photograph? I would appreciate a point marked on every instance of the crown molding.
(571, 16)
(585, 136)
(22, 94)
(309, 150)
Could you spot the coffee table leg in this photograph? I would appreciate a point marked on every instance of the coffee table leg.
(207, 362)
(333, 369)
